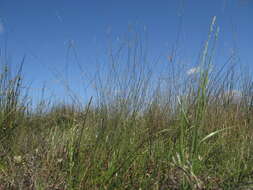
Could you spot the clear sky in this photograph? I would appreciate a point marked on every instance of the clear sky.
(43, 29)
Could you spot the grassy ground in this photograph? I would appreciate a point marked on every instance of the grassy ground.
(194, 135)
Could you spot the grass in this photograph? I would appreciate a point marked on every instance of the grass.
(139, 132)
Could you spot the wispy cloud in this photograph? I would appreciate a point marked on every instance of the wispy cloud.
(193, 71)
(233, 94)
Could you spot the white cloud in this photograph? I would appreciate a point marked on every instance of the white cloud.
(197, 69)
(1, 27)
(234, 95)
(193, 70)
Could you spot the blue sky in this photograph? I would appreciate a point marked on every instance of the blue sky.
(43, 29)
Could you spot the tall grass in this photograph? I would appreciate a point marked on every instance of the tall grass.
(11, 102)
(142, 130)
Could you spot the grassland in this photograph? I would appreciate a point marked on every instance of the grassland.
(140, 131)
